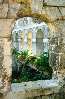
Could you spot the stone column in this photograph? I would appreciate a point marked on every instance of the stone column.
(29, 40)
(34, 40)
(45, 40)
(22, 40)
(25, 39)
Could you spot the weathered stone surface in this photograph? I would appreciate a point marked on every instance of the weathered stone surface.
(5, 27)
(3, 10)
(5, 1)
(13, 9)
(7, 62)
(12, 1)
(62, 10)
(60, 27)
(1, 1)
(52, 12)
(55, 2)
(5, 66)
(35, 90)
(7, 47)
(37, 5)
(57, 28)
(1, 56)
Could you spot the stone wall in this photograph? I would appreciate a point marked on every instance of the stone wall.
(50, 11)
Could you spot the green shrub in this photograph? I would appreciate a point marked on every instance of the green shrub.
(39, 70)
(42, 61)
(42, 64)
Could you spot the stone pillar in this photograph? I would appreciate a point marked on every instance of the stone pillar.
(22, 40)
(29, 40)
(45, 39)
(34, 41)
(25, 39)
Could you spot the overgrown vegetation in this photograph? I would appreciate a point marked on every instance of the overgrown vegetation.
(31, 67)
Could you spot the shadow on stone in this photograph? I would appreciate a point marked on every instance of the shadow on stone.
(1, 96)
(61, 94)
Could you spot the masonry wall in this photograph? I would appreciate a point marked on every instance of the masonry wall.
(51, 11)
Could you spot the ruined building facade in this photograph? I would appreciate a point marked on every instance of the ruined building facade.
(52, 12)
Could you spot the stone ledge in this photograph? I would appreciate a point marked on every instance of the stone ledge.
(32, 89)
(55, 2)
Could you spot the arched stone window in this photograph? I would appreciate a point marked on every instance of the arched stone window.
(30, 33)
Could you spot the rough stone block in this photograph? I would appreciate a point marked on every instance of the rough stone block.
(13, 9)
(55, 2)
(62, 9)
(1, 1)
(5, 27)
(37, 5)
(45, 97)
(7, 47)
(3, 10)
(12, 1)
(7, 63)
(5, 1)
(60, 25)
(52, 13)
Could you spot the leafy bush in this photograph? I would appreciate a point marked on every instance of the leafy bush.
(23, 56)
(32, 67)
(42, 64)
(42, 61)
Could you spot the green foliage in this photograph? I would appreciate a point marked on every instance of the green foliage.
(23, 55)
(41, 63)
(15, 52)
(44, 4)
(20, 55)
(31, 60)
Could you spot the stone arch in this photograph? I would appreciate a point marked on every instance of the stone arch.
(51, 32)
(42, 17)
(20, 26)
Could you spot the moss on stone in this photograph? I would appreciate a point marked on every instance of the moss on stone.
(27, 12)
(23, 1)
